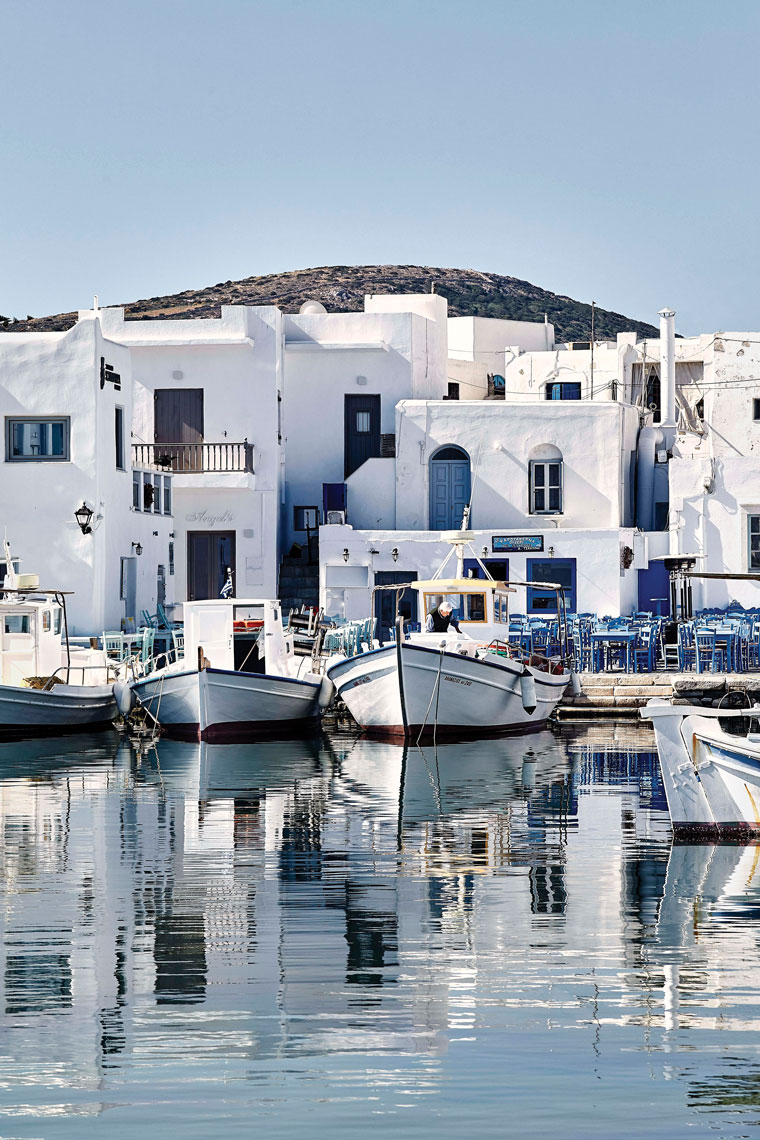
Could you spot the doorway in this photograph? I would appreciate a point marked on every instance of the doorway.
(128, 590)
(385, 601)
(449, 488)
(209, 555)
(362, 431)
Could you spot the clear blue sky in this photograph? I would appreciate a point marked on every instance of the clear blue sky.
(602, 150)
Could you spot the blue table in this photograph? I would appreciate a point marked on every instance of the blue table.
(601, 640)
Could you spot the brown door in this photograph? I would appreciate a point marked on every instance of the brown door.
(210, 554)
(178, 420)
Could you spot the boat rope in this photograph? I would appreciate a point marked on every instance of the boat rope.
(435, 693)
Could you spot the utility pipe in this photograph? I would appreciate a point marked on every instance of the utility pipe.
(668, 367)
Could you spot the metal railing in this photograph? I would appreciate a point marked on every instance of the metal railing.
(193, 457)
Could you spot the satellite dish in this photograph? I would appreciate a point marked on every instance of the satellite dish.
(312, 307)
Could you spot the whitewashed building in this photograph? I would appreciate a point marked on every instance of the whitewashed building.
(66, 408)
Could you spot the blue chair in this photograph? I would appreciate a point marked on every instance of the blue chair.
(643, 651)
(687, 653)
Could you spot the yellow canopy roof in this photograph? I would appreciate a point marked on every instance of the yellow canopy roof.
(459, 586)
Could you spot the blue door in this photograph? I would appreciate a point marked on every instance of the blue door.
(654, 589)
(449, 488)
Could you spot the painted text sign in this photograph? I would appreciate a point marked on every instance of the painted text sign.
(517, 542)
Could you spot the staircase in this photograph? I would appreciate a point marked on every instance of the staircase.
(299, 580)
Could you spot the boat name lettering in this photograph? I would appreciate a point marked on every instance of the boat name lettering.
(456, 680)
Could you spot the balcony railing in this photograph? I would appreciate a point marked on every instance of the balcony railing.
(187, 458)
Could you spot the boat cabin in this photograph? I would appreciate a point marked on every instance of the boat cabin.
(30, 637)
(479, 605)
(237, 634)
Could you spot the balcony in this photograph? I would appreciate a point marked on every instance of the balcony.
(193, 458)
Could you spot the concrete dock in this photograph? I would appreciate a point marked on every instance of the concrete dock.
(623, 694)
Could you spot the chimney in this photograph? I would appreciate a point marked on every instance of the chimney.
(668, 367)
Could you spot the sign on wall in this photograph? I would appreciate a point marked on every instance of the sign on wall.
(528, 543)
(208, 518)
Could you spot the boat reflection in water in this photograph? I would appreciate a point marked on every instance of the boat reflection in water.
(360, 928)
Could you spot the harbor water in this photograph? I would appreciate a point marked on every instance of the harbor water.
(338, 937)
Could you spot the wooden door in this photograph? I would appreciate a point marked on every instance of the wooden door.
(362, 431)
(209, 553)
(385, 600)
(449, 492)
(178, 419)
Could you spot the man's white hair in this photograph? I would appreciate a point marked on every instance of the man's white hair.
(445, 606)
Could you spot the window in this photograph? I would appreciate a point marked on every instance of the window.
(136, 489)
(306, 518)
(147, 495)
(57, 621)
(500, 607)
(466, 607)
(46, 621)
(756, 408)
(119, 431)
(16, 623)
(167, 495)
(362, 421)
(565, 390)
(754, 542)
(559, 570)
(157, 495)
(37, 439)
(453, 390)
(546, 487)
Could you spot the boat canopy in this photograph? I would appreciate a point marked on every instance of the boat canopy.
(458, 585)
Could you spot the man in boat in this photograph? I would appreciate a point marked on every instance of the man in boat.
(439, 619)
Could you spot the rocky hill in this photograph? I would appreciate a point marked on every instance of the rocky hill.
(341, 288)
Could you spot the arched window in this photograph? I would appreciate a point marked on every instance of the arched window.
(449, 487)
(545, 490)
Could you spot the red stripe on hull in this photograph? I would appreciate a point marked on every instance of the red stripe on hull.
(450, 731)
(237, 732)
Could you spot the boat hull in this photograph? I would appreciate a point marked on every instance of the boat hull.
(711, 778)
(217, 705)
(64, 708)
(415, 692)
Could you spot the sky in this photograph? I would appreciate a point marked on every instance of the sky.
(601, 150)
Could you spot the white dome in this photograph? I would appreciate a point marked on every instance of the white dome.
(312, 307)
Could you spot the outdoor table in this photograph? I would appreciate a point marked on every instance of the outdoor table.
(603, 639)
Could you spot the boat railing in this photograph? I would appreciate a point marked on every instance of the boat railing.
(105, 667)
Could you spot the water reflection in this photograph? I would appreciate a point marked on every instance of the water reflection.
(366, 927)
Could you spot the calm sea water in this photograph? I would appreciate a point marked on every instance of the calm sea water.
(341, 937)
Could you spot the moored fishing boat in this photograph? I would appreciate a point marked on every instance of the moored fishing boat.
(711, 777)
(39, 670)
(239, 676)
(464, 682)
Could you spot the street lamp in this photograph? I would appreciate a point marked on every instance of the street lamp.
(84, 516)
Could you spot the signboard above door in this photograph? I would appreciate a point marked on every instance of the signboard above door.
(527, 543)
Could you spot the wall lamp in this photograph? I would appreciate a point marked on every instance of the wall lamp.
(550, 552)
(485, 551)
(155, 534)
(137, 547)
(394, 554)
(372, 550)
(84, 517)
(345, 554)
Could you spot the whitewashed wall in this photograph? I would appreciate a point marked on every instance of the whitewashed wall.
(237, 361)
(603, 586)
(58, 374)
(596, 441)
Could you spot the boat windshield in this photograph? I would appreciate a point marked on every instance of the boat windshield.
(470, 607)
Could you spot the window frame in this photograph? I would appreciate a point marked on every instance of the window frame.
(547, 487)
(296, 516)
(65, 421)
(571, 595)
(430, 603)
(121, 451)
(750, 519)
(562, 384)
(167, 495)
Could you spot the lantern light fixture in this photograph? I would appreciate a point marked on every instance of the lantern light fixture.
(345, 554)
(84, 517)
(137, 547)
(394, 554)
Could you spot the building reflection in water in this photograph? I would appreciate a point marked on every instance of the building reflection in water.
(303, 884)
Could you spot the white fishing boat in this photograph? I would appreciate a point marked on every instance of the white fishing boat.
(46, 685)
(470, 682)
(239, 676)
(711, 777)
